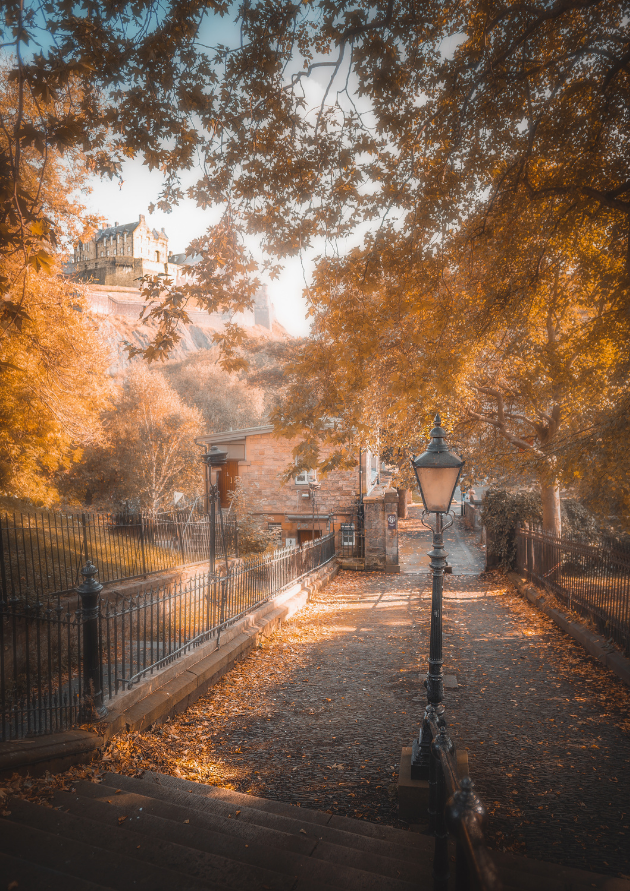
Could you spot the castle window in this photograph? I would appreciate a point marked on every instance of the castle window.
(157, 256)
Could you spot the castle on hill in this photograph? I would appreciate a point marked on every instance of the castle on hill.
(119, 256)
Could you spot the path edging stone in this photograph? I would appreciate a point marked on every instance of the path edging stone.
(170, 691)
(594, 644)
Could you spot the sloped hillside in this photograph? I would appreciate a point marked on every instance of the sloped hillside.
(118, 309)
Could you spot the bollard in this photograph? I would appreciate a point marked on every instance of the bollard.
(92, 707)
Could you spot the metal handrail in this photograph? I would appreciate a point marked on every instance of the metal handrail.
(455, 808)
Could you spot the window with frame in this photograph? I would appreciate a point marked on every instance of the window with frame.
(304, 477)
(347, 535)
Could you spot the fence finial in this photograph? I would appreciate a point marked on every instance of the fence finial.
(89, 585)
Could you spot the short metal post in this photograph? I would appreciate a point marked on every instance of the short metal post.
(213, 520)
(3, 575)
(84, 530)
(144, 562)
(420, 760)
(92, 706)
(180, 538)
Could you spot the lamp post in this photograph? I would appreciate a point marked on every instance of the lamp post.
(214, 461)
(437, 471)
(313, 487)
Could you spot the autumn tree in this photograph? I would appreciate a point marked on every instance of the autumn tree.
(53, 385)
(447, 157)
(149, 448)
(226, 401)
(457, 162)
(53, 363)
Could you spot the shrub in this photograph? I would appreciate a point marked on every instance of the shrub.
(501, 513)
(503, 510)
(254, 535)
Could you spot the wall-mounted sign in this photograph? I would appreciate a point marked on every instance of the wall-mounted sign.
(392, 519)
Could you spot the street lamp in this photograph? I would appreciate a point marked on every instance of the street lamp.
(313, 487)
(437, 471)
(214, 461)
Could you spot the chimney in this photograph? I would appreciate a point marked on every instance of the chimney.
(116, 225)
(142, 218)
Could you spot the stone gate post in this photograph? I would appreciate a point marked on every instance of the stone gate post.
(381, 529)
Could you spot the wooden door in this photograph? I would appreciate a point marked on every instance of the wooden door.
(305, 535)
(227, 481)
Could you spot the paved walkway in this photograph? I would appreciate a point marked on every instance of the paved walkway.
(464, 554)
(318, 716)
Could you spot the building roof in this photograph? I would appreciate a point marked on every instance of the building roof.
(112, 230)
(126, 227)
(233, 435)
(185, 259)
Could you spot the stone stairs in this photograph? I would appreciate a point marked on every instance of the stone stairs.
(161, 833)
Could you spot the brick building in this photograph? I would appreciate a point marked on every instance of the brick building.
(297, 510)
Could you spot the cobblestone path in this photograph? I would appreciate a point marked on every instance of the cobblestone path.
(318, 715)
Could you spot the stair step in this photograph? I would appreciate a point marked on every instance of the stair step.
(144, 840)
(517, 872)
(290, 821)
(24, 875)
(329, 864)
(281, 808)
(51, 849)
(251, 833)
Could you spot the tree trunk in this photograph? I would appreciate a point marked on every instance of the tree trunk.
(404, 497)
(550, 492)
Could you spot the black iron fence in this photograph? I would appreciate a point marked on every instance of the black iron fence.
(42, 553)
(47, 676)
(592, 578)
(40, 677)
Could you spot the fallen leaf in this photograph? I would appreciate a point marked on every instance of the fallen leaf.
(121, 819)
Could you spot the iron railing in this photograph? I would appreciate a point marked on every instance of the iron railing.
(44, 666)
(42, 553)
(145, 633)
(591, 578)
(350, 541)
(455, 809)
(40, 667)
